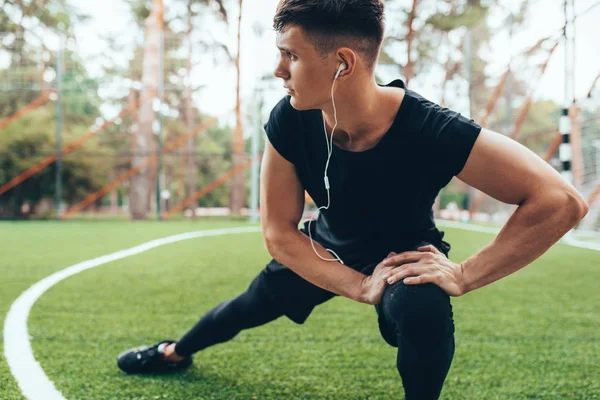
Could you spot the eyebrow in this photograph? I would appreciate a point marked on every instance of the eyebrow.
(282, 48)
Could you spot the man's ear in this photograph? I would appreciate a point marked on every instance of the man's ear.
(348, 57)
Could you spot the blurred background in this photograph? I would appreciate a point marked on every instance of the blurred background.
(153, 109)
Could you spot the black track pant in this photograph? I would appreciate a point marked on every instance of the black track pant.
(417, 319)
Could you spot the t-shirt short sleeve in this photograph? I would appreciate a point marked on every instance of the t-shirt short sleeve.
(451, 137)
(281, 129)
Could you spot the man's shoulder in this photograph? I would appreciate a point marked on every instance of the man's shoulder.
(282, 129)
(426, 116)
(281, 111)
(424, 107)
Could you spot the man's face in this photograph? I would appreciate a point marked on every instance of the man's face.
(303, 71)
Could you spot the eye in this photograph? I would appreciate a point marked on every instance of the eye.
(288, 55)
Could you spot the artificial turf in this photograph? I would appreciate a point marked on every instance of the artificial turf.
(532, 335)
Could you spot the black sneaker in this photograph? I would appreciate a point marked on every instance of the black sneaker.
(148, 360)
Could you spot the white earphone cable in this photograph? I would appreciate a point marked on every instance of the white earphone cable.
(329, 141)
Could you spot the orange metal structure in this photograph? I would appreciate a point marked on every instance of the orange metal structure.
(65, 150)
(43, 99)
(208, 188)
(553, 147)
(494, 98)
(525, 108)
(518, 124)
(594, 195)
(498, 89)
(152, 159)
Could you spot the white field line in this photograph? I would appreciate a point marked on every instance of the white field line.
(571, 241)
(568, 239)
(28, 373)
(467, 227)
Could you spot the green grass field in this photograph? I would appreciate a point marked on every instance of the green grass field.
(532, 335)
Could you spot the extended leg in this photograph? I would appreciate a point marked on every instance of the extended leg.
(248, 310)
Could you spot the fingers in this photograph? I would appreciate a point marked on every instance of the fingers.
(383, 269)
(415, 279)
(414, 267)
(403, 258)
(407, 270)
(386, 272)
(431, 249)
(418, 280)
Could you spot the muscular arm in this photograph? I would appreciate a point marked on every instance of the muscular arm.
(511, 173)
(548, 207)
(282, 204)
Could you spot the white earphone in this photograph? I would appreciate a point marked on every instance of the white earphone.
(329, 141)
(340, 69)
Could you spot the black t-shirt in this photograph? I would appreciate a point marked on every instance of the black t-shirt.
(381, 198)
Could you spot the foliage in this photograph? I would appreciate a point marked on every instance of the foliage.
(81, 174)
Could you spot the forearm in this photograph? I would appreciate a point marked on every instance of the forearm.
(532, 229)
(293, 249)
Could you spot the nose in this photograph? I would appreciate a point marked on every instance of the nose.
(281, 71)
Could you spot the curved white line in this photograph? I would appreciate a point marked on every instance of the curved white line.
(466, 227)
(567, 239)
(571, 241)
(28, 373)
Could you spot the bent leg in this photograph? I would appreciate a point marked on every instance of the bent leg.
(422, 319)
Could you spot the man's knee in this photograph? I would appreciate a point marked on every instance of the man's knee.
(418, 309)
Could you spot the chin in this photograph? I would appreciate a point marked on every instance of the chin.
(294, 103)
(299, 105)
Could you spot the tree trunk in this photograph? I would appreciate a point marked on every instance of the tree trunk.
(190, 181)
(238, 187)
(180, 196)
(409, 68)
(132, 100)
(141, 185)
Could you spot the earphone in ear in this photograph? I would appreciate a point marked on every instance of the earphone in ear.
(341, 68)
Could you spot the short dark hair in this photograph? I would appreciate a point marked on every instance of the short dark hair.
(330, 24)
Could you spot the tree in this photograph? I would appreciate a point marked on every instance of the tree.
(32, 137)
(193, 7)
(181, 13)
(140, 187)
(238, 190)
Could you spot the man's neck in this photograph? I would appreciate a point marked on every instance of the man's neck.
(364, 114)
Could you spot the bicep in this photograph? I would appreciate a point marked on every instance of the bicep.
(281, 194)
(507, 170)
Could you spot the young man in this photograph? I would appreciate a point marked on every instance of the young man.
(373, 158)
